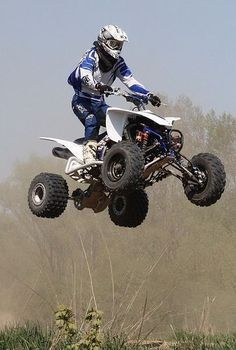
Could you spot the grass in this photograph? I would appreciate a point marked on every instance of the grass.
(27, 337)
(199, 341)
(35, 337)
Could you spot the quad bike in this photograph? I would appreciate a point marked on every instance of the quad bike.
(139, 149)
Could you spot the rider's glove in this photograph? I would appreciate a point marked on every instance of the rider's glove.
(102, 88)
(155, 100)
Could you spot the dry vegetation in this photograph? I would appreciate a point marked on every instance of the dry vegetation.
(177, 270)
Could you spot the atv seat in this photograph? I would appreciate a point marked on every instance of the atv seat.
(63, 152)
(80, 141)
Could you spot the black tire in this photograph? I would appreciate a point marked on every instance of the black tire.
(122, 166)
(210, 168)
(48, 195)
(128, 208)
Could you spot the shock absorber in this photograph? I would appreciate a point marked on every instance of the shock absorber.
(145, 139)
(142, 138)
(139, 137)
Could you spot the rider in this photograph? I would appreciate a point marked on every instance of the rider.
(94, 75)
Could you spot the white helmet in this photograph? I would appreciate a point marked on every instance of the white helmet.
(111, 39)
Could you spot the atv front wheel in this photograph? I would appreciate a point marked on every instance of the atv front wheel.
(128, 209)
(210, 173)
(122, 166)
(48, 195)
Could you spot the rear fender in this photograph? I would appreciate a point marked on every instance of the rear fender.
(75, 148)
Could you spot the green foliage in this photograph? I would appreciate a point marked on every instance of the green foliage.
(92, 337)
(66, 329)
(88, 337)
(65, 321)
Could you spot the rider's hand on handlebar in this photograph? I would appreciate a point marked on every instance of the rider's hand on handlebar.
(103, 88)
(155, 100)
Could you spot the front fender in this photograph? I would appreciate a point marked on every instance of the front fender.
(115, 122)
(116, 119)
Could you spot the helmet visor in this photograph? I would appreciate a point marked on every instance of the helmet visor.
(114, 44)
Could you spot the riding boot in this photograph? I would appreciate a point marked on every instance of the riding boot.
(89, 151)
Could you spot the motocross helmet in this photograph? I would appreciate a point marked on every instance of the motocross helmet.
(111, 39)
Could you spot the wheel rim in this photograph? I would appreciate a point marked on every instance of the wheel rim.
(38, 194)
(119, 205)
(202, 176)
(116, 167)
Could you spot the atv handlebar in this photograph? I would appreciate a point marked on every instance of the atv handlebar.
(138, 100)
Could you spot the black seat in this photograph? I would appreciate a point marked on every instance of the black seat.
(80, 141)
(63, 152)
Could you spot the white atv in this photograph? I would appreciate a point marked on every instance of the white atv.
(139, 149)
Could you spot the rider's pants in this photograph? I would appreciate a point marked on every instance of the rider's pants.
(91, 113)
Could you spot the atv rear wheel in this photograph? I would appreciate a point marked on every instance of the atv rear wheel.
(209, 170)
(48, 195)
(122, 166)
(128, 209)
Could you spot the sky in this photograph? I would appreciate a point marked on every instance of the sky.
(175, 47)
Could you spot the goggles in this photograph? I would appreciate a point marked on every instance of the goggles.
(114, 44)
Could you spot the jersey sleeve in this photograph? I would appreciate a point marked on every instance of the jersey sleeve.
(83, 74)
(125, 75)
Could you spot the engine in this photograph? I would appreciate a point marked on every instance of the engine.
(154, 142)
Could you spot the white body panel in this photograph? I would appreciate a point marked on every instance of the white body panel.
(116, 119)
(76, 149)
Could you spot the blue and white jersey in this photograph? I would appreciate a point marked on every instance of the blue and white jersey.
(87, 74)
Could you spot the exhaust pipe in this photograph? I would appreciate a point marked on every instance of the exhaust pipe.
(73, 165)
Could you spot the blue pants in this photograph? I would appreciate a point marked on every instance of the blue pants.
(91, 113)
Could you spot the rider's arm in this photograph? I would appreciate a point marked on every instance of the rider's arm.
(83, 74)
(124, 74)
